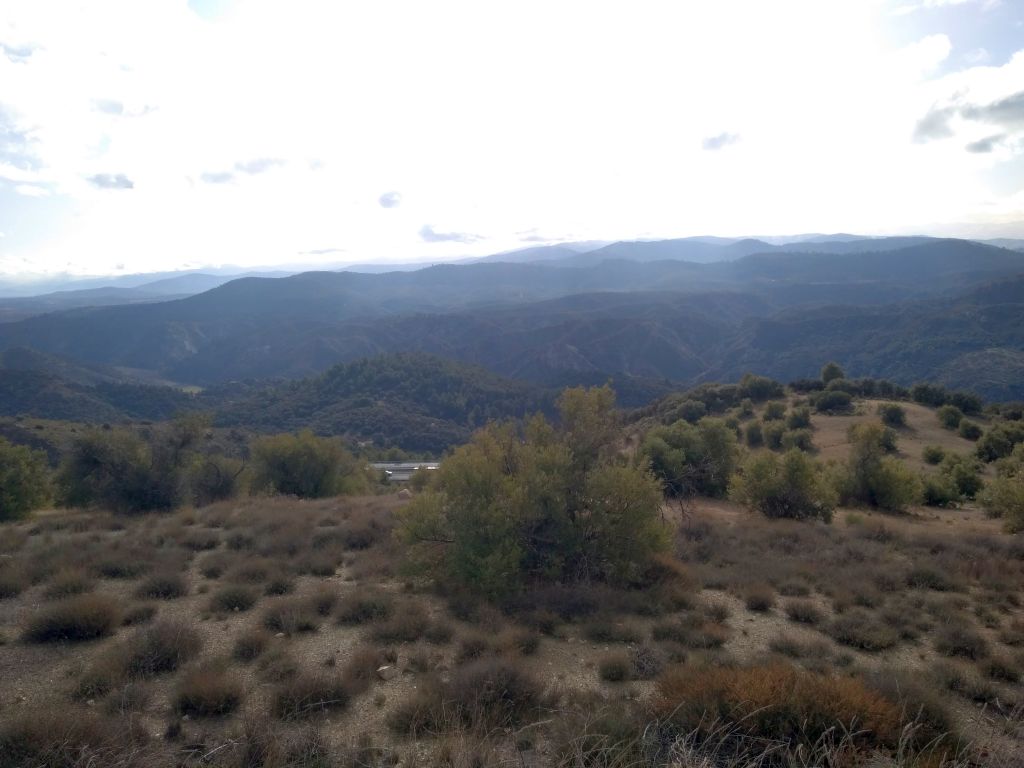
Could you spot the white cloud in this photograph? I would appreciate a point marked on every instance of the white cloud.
(270, 132)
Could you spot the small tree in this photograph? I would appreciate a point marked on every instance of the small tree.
(1004, 497)
(792, 485)
(774, 411)
(831, 371)
(305, 465)
(24, 480)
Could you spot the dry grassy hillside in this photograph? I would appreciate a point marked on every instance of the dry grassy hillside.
(922, 429)
(276, 632)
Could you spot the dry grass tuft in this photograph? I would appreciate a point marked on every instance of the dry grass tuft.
(163, 586)
(85, 617)
(208, 691)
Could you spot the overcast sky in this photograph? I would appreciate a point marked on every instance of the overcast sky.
(142, 136)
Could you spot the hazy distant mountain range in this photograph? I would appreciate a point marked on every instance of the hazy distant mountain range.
(650, 315)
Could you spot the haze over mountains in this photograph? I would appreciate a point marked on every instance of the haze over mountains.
(650, 315)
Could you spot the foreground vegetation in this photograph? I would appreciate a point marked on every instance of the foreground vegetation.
(740, 575)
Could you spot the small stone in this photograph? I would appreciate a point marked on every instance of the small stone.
(279, 634)
(387, 672)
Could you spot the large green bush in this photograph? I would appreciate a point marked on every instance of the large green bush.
(119, 471)
(833, 401)
(24, 480)
(872, 477)
(536, 502)
(305, 465)
(692, 459)
(792, 485)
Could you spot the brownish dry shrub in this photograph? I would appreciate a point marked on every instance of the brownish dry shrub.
(163, 586)
(162, 647)
(208, 691)
(250, 644)
(85, 617)
(775, 702)
(307, 694)
(362, 606)
(233, 597)
(290, 615)
(68, 582)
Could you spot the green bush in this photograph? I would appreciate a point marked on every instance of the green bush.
(970, 431)
(801, 439)
(799, 418)
(832, 402)
(753, 435)
(773, 432)
(892, 415)
(774, 411)
(1004, 497)
(933, 454)
(306, 466)
(214, 478)
(949, 416)
(873, 478)
(692, 459)
(24, 480)
(533, 502)
(758, 388)
(791, 486)
(831, 371)
(1000, 440)
(119, 471)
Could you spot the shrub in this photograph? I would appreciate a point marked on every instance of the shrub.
(960, 640)
(833, 402)
(939, 491)
(753, 435)
(290, 615)
(791, 486)
(1004, 497)
(1000, 440)
(494, 692)
(614, 667)
(307, 694)
(800, 439)
(162, 647)
(208, 691)
(233, 598)
(214, 478)
(304, 465)
(803, 612)
(799, 418)
(774, 411)
(773, 434)
(758, 388)
(777, 703)
(250, 644)
(933, 454)
(404, 626)
(85, 617)
(831, 371)
(62, 738)
(163, 586)
(892, 415)
(24, 480)
(970, 431)
(759, 598)
(859, 629)
(67, 582)
(531, 501)
(949, 416)
(363, 606)
(12, 583)
(874, 479)
(692, 459)
(609, 630)
(117, 470)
